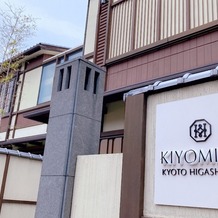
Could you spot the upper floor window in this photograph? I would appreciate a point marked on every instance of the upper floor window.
(45, 89)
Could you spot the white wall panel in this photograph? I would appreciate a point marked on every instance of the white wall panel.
(2, 136)
(203, 12)
(23, 179)
(17, 211)
(91, 26)
(97, 186)
(121, 27)
(173, 17)
(31, 131)
(149, 24)
(146, 23)
(114, 118)
(18, 93)
(30, 89)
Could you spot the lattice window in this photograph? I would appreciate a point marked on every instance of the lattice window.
(6, 93)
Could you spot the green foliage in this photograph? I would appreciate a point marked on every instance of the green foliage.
(1, 112)
(15, 28)
(7, 78)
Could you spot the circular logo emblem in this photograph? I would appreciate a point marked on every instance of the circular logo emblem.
(200, 130)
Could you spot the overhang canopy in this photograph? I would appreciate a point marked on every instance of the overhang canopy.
(40, 115)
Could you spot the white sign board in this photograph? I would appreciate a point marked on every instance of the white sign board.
(186, 153)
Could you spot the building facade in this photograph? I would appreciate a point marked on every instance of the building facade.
(140, 42)
(145, 45)
(25, 117)
(163, 55)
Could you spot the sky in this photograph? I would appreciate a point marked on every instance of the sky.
(59, 22)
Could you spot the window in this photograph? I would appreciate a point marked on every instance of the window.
(45, 89)
(74, 55)
(6, 93)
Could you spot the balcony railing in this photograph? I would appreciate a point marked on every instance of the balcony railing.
(111, 142)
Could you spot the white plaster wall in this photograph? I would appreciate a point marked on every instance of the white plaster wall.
(114, 118)
(13, 121)
(97, 186)
(23, 179)
(18, 93)
(150, 209)
(17, 211)
(91, 26)
(30, 89)
(31, 131)
(2, 136)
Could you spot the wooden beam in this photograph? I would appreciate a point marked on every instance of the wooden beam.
(133, 25)
(5, 174)
(158, 30)
(188, 15)
(132, 189)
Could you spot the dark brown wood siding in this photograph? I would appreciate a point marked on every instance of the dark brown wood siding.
(24, 122)
(33, 63)
(46, 56)
(4, 124)
(184, 56)
(101, 35)
(132, 186)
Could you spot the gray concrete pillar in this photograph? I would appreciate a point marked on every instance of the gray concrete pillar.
(73, 129)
